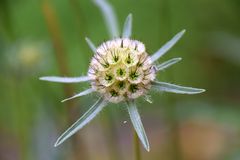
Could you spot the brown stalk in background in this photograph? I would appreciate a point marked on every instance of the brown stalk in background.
(60, 54)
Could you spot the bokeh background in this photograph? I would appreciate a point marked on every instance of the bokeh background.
(43, 37)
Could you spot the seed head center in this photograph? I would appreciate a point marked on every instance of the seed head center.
(121, 69)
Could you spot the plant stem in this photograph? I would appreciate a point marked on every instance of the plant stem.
(60, 54)
(136, 146)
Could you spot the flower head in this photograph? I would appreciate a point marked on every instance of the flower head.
(121, 71)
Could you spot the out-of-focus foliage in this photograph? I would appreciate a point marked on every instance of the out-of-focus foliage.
(179, 127)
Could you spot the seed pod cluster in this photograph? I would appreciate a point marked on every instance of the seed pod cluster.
(121, 69)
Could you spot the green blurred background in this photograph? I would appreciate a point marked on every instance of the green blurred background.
(41, 37)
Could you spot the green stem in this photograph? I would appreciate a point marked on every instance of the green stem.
(136, 146)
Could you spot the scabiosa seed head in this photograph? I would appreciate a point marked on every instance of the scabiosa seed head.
(121, 69)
